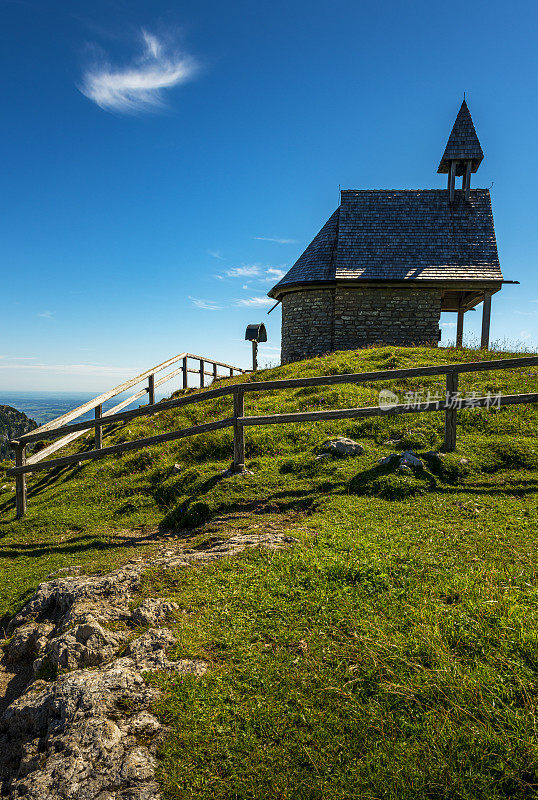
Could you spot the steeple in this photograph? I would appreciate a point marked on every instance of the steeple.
(463, 153)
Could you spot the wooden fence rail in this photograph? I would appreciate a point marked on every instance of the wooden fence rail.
(55, 427)
(63, 427)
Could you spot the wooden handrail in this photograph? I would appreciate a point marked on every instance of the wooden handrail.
(124, 447)
(143, 411)
(102, 398)
(239, 421)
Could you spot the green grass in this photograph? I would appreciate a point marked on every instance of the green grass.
(391, 653)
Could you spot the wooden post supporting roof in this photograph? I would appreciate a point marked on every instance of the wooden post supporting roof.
(486, 316)
(467, 180)
(451, 181)
(459, 328)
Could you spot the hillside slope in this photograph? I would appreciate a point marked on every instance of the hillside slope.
(390, 652)
(13, 423)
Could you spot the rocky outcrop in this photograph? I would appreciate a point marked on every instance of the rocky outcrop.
(13, 423)
(87, 733)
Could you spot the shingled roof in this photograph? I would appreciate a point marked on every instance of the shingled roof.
(463, 144)
(401, 235)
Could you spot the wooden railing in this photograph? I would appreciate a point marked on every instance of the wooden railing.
(59, 425)
(239, 421)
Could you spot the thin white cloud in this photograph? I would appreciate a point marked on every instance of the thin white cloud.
(257, 272)
(216, 254)
(525, 334)
(46, 314)
(256, 302)
(206, 305)
(448, 324)
(250, 271)
(275, 239)
(526, 313)
(140, 86)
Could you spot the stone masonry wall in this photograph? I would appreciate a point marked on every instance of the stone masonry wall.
(318, 321)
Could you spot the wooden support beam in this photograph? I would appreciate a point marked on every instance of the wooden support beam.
(450, 413)
(20, 480)
(231, 372)
(151, 390)
(466, 180)
(486, 316)
(459, 328)
(451, 181)
(185, 373)
(215, 372)
(239, 433)
(202, 374)
(98, 428)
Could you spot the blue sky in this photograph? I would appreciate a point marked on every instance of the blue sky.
(163, 162)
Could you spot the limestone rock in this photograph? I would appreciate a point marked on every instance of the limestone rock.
(410, 459)
(152, 612)
(89, 734)
(343, 447)
(28, 641)
(404, 462)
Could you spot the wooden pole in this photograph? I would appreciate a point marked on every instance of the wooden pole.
(20, 480)
(254, 355)
(467, 180)
(459, 328)
(185, 373)
(231, 372)
(450, 414)
(451, 181)
(486, 316)
(239, 432)
(151, 390)
(202, 376)
(215, 371)
(99, 428)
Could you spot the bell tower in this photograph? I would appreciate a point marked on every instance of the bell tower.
(463, 153)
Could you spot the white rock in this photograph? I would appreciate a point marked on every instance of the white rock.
(343, 447)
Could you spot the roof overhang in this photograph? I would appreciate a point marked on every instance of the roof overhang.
(451, 285)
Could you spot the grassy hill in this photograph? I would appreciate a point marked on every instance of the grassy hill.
(391, 653)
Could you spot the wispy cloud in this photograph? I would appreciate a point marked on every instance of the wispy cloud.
(524, 335)
(139, 86)
(256, 302)
(257, 272)
(526, 313)
(275, 239)
(448, 324)
(206, 305)
(251, 271)
(46, 314)
(216, 254)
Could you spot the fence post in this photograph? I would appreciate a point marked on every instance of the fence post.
(239, 431)
(202, 377)
(20, 480)
(215, 370)
(151, 390)
(98, 428)
(450, 414)
(185, 373)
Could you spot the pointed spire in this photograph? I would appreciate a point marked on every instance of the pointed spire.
(462, 146)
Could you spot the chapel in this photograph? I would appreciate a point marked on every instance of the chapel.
(389, 261)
